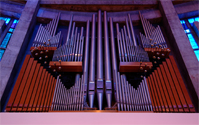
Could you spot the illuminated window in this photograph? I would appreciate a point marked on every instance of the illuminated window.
(8, 34)
(193, 42)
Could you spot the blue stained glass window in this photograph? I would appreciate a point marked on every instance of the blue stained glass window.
(7, 20)
(192, 41)
(1, 53)
(197, 54)
(197, 19)
(182, 22)
(6, 40)
(191, 20)
(11, 30)
(187, 31)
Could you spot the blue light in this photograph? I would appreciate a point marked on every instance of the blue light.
(1, 53)
(197, 54)
(11, 30)
(6, 40)
(15, 21)
(7, 20)
(2, 18)
(197, 19)
(182, 22)
(192, 41)
(187, 31)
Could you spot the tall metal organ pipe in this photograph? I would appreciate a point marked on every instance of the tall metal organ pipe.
(92, 66)
(132, 31)
(86, 58)
(107, 62)
(100, 83)
(114, 63)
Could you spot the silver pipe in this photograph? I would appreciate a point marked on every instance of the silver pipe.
(145, 97)
(71, 42)
(132, 31)
(108, 83)
(52, 27)
(92, 65)
(57, 20)
(82, 49)
(147, 93)
(37, 35)
(114, 62)
(126, 93)
(123, 92)
(127, 45)
(124, 45)
(54, 95)
(100, 83)
(129, 96)
(85, 68)
(77, 46)
(117, 89)
(128, 31)
(120, 91)
(119, 41)
(74, 45)
(69, 29)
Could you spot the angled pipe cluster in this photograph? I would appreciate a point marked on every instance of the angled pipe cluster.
(46, 34)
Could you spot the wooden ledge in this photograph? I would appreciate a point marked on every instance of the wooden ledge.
(42, 51)
(65, 66)
(135, 66)
(153, 52)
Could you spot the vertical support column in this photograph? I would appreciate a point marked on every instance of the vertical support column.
(14, 52)
(183, 49)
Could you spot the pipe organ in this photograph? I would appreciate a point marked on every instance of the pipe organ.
(113, 71)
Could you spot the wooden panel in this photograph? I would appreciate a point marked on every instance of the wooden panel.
(23, 83)
(35, 102)
(151, 94)
(168, 88)
(32, 86)
(182, 85)
(165, 90)
(134, 66)
(35, 89)
(41, 106)
(179, 91)
(51, 99)
(161, 92)
(38, 50)
(50, 94)
(155, 93)
(173, 87)
(18, 83)
(158, 92)
(49, 83)
(27, 85)
(41, 91)
(66, 66)
(153, 52)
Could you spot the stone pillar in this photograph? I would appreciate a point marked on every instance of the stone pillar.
(15, 49)
(181, 45)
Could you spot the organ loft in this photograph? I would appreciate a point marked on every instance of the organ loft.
(123, 56)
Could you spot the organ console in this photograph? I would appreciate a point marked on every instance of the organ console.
(102, 68)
